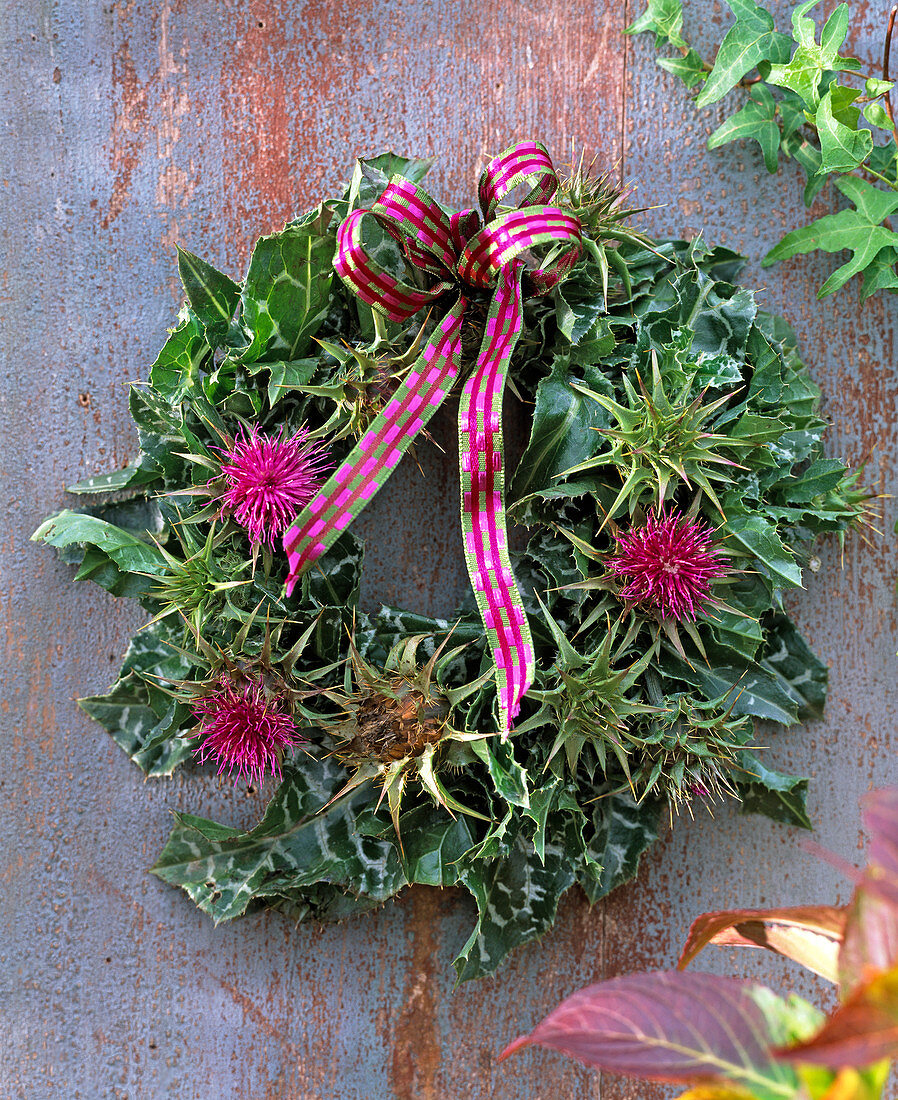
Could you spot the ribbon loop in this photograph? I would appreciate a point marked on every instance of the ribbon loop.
(454, 251)
(526, 162)
(504, 239)
(407, 211)
(372, 283)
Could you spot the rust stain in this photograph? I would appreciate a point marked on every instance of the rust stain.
(263, 146)
(129, 128)
(267, 1026)
(146, 109)
(416, 1051)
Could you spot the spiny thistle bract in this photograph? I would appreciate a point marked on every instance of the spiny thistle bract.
(368, 378)
(597, 200)
(396, 722)
(690, 749)
(662, 439)
(590, 703)
(192, 586)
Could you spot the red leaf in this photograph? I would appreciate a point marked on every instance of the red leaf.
(862, 1031)
(810, 934)
(871, 939)
(665, 1027)
(871, 934)
(881, 818)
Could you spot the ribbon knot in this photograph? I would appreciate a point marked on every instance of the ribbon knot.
(457, 252)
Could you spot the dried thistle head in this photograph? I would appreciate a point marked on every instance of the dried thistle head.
(395, 722)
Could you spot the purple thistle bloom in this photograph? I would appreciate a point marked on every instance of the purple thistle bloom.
(270, 479)
(243, 731)
(668, 564)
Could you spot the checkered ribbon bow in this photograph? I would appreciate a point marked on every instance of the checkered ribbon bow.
(458, 253)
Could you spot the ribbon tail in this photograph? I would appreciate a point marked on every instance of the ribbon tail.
(379, 451)
(483, 500)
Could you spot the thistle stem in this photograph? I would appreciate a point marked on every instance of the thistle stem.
(381, 336)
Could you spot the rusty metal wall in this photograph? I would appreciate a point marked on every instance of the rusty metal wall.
(133, 125)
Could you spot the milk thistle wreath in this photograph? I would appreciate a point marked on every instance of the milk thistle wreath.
(671, 488)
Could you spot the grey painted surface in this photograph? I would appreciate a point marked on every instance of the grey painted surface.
(128, 127)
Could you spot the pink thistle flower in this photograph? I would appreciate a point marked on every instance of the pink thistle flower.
(668, 564)
(243, 731)
(270, 479)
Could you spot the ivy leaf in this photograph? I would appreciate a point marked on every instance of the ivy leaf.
(883, 158)
(287, 289)
(212, 295)
(675, 1027)
(751, 40)
(878, 115)
(858, 231)
(842, 145)
(664, 18)
(517, 899)
(881, 274)
(808, 156)
(810, 61)
(689, 68)
(301, 840)
(765, 791)
(756, 120)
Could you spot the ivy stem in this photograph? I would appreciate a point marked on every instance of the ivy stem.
(886, 53)
(872, 172)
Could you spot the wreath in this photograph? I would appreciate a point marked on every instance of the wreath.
(603, 676)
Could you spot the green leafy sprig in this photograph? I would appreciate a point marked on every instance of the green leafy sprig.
(804, 100)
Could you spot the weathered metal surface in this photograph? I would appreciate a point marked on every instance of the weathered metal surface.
(131, 126)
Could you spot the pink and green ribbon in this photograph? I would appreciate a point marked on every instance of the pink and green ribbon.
(458, 253)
